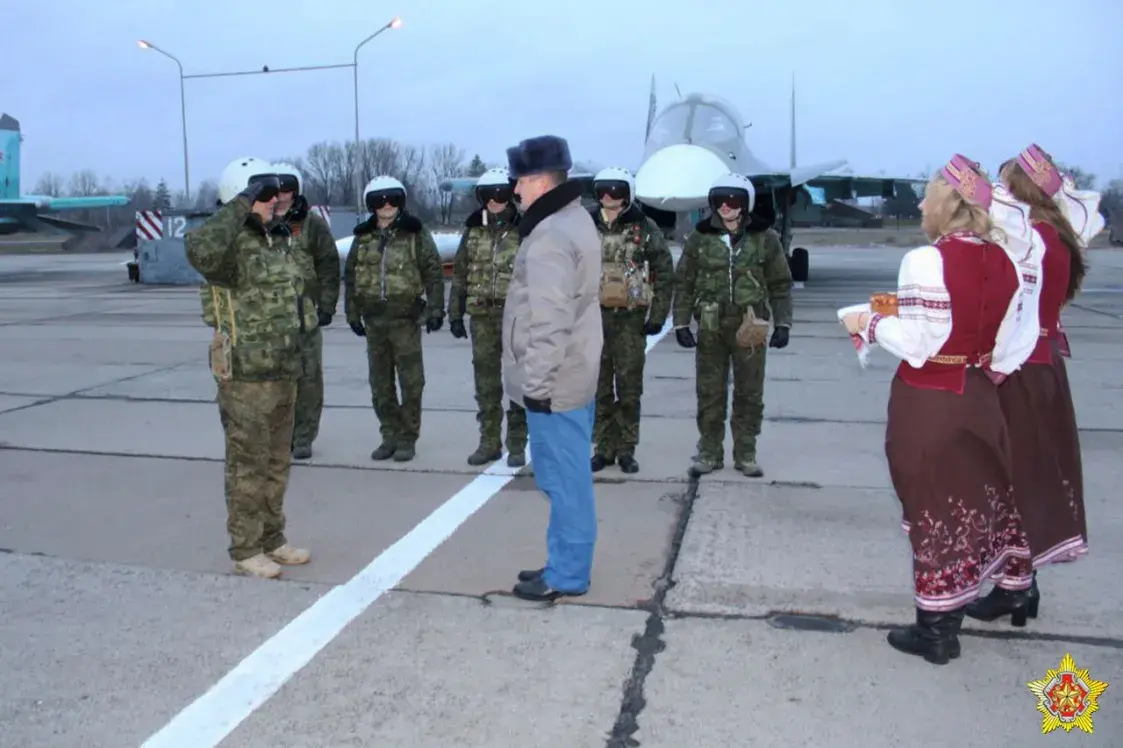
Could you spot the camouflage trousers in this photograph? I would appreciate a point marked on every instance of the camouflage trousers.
(716, 351)
(394, 351)
(257, 420)
(620, 385)
(487, 369)
(309, 390)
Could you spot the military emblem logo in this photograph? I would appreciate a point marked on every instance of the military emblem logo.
(1067, 697)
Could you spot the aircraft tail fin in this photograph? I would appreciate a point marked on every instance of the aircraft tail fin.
(651, 109)
(9, 158)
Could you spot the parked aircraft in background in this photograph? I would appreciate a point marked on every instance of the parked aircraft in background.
(699, 137)
(27, 212)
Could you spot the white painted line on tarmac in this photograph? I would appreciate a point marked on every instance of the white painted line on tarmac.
(214, 715)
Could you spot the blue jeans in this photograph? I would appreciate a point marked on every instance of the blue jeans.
(559, 449)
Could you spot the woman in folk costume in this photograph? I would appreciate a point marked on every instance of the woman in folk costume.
(957, 309)
(1037, 402)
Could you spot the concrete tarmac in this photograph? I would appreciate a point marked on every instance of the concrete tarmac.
(725, 611)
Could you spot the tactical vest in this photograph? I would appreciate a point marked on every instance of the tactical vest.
(730, 275)
(625, 281)
(491, 261)
(303, 256)
(392, 276)
(257, 325)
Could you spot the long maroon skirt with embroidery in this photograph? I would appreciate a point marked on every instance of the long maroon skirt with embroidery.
(951, 465)
(1048, 477)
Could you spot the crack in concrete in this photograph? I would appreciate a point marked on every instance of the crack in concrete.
(650, 643)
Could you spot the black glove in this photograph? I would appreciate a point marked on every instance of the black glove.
(685, 337)
(324, 318)
(358, 329)
(250, 193)
(779, 338)
(456, 327)
(537, 406)
(433, 324)
(650, 328)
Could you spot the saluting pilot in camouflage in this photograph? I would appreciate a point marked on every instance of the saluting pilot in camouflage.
(319, 260)
(252, 297)
(716, 283)
(481, 273)
(633, 240)
(386, 273)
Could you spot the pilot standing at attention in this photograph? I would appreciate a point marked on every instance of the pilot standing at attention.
(481, 274)
(732, 277)
(637, 278)
(319, 258)
(392, 264)
(251, 296)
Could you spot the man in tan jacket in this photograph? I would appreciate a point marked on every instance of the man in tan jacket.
(552, 338)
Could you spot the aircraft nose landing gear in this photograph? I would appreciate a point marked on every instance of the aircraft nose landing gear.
(800, 263)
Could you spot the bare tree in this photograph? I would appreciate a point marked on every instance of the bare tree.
(49, 184)
(84, 183)
(445, 162)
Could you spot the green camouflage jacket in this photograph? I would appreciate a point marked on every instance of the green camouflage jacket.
(634, 243)
(388, 270)
(484, 261)
(730, 273)
(317, 253)
(253, 291)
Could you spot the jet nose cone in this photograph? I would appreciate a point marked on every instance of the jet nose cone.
(678, 177)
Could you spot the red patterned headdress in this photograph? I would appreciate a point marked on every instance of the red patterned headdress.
(1035, 163)
(967, 177)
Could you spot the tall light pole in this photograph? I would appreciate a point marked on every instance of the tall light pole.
(182, 112)
(396, 22)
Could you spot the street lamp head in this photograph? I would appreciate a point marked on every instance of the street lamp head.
(143, 44)
(396, 23)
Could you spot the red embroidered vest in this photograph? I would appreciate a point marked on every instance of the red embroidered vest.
(981, 282)
(1056, 267)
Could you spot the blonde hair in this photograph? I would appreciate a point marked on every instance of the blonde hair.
(1042, 208)
(945, 211)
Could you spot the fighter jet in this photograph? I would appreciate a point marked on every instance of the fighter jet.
(697, 138)
(27, 212)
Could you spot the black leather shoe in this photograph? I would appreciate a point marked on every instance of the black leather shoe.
(536, 590)
(1019, 605)
(628, 464)
(599, 463)
(529, 575)
(934, 636)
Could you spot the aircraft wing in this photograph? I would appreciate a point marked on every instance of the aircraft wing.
(48, 203)
(841, 186)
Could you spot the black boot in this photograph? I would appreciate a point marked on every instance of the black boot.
(1019, 605)
(934, 636)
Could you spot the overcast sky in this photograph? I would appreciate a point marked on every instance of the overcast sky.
(889, 85)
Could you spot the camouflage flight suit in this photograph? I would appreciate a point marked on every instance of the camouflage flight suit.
(252, 297)
(717, 283)
(386, 273)
(319, 259)
(637, 279)
(480, 277)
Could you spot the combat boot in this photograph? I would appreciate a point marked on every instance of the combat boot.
(257, 566)
(934, 636)
(484, 454)
(703, 465)
(516, 459)
(385, 450)
(628, 464)
(302, 452)
(600, 462)
(290, 556)
(744, 459)
(404, 453)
